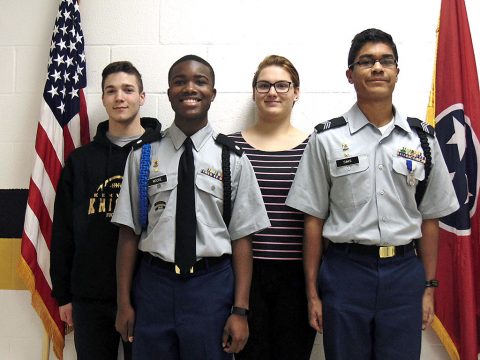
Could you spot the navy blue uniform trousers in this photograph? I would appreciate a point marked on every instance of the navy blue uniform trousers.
(181, 317)
(372, 307)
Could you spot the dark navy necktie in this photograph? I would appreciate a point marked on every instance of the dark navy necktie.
(186, 220)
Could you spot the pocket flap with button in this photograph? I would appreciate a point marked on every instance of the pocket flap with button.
(160, 186)
(348, 165)
(400, 167)
(209, 185)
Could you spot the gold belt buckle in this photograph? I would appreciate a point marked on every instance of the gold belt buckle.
(177, 270)
(386, 251)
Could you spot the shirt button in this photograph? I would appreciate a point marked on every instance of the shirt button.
(384, 219)
(382, 192)
(380, 167)
(348, 168)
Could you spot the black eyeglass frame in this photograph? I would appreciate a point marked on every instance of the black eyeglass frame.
(274, 86)
(363, 63)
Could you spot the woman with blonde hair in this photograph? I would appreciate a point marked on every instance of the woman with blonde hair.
(278, 318)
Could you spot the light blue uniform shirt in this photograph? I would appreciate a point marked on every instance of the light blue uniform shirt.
(213, 237)
(356, 179)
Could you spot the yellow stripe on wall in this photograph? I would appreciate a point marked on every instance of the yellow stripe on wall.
(9, 256)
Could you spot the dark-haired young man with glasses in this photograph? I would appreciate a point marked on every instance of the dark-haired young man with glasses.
(372, 185)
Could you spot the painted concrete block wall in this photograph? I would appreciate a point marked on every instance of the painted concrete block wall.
(234, 36)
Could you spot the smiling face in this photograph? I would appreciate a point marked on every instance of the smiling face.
(121, 97)
(273, 103)
(378, 82)
(191, 93)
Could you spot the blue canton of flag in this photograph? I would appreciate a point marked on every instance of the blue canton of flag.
(459, 147)
(66, 65)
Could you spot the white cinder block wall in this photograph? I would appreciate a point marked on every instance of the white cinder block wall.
(234, 36)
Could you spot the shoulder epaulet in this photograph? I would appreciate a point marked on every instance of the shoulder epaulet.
(330, 124)
(422, 125)
(223, 139)
(148, 137)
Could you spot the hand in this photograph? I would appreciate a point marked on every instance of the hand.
(428, 308)
(315, 315)
(125, 321)
(66, 313)
(235, 333)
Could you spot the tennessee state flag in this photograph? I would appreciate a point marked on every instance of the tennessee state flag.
(455, 100)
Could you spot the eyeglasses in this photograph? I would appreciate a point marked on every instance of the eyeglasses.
(367, 63)
(264, 87)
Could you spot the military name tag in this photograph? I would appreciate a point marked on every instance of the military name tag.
(157, 180)
(347, 161)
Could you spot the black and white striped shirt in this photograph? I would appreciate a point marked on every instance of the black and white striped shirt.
(275, 171)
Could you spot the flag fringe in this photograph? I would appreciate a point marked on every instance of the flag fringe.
(48, 323)
(446, 340)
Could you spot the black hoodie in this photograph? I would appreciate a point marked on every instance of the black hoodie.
(84, 242)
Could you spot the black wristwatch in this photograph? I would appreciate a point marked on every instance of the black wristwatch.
(239, 311)
(431, 283)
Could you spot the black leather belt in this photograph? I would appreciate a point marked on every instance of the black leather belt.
(202, 264)
(373, 250)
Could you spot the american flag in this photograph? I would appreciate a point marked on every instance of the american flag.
(63, 125)
(457, 117)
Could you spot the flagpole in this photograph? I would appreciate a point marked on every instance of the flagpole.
(45, 345)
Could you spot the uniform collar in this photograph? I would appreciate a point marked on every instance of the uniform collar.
(357, 120)
(198, 139)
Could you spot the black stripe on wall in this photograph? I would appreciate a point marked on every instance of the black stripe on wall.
(13, 203)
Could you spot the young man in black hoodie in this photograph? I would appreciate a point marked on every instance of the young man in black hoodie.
(84, 242)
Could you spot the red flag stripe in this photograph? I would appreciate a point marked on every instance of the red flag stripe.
(36, 204)
(48, 155)
(84, 124)
(41, 284)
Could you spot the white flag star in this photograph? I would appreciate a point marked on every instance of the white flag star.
(64, 29)
(72, 46)
(56, 75)
(76, 78)
(66, 15)
(66, 76)
(61, 44)
(53, 91)
(74, 93)
(458, 138)
(59, 60)
(69, 61)
(61, 107)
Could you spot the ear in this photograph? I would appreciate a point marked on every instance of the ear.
(214, 94)
(398, 72)
(348, 74)
(142, 98)
(296, 92)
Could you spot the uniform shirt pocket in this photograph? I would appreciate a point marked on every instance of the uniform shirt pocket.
(159, 194)
(210, 200)
(401, 168)
(351, 182)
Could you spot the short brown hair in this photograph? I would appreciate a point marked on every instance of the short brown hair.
(280, 61)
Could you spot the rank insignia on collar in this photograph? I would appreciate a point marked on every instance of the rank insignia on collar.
(216, 174)
(155, 165)
(411, 154)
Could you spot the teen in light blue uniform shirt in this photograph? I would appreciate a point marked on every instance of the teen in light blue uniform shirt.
(199, 315)
(356, 184)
